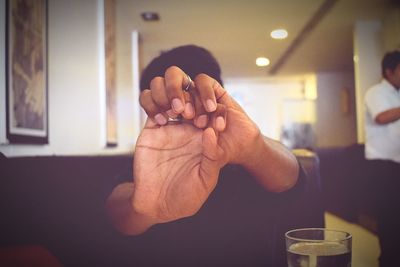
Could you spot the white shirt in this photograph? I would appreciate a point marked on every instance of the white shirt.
(382, 140)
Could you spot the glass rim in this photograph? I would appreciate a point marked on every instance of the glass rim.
(348, 236)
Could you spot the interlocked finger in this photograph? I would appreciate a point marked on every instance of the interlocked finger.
(151, 108)
(159, 94)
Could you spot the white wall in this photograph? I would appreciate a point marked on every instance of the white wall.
(76, 100)
(128, 51)
(262, 100)
(391, 30)
(368, 53)
(2, 72)
(336, 122)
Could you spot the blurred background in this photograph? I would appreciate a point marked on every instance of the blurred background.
(300, 69)
(308, 93)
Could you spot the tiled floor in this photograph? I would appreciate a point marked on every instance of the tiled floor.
(365, 244)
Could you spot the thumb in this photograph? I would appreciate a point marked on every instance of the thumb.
(222, 95)
(211, 162)
(150, 123)
(224, 98)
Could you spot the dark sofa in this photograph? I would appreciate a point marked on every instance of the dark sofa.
(346, 184)
(56, 203)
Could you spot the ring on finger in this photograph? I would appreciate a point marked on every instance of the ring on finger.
(174, 120)
(189, 84)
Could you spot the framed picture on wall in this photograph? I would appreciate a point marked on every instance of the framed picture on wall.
(110, 71)
(26, 78)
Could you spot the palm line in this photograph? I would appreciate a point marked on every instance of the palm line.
(165, 149)
(179, 173)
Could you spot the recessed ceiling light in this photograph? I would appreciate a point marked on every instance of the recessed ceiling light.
(150, 16)
(279, 34)
(262, 61)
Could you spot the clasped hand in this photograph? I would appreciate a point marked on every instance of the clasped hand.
(177, 165)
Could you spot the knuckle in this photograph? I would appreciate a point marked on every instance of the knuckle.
(156, 82)
(147, 103)
(143, 96)
(221, 109)
(201, 77)
(172, 70)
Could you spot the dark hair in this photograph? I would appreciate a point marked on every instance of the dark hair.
(390, 61)
(192, 59)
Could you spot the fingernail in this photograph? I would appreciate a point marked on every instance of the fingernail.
(211, 106)
(177, 105)
(160, 119)
(202, 121)
(220, 123)
(189, 109)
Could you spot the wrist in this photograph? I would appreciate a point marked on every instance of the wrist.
(141, 222)
(256, 152)
(123, 212)
(142, 214)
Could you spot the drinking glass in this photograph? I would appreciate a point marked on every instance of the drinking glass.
(318, 247)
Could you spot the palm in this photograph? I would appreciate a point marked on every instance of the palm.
(236, 140)
(176, 166)
(171, 179)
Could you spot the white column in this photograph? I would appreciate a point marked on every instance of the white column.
(3, 72)
(367, 64)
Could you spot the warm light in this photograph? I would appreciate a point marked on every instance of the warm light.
(262, 61)
(310, 87)
(299, 111)
(279, 34)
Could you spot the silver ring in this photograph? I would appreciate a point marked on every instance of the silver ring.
(175, 120)
(189, 85)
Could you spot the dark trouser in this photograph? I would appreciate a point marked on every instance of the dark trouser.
(385, 184)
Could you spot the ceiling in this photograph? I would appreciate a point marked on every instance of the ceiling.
(237, 31)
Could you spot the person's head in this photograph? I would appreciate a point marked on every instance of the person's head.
(192, 59)
(391, 68)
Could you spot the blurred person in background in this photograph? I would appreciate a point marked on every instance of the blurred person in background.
(382, 150)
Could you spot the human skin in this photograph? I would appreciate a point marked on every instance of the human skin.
(176, 166)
